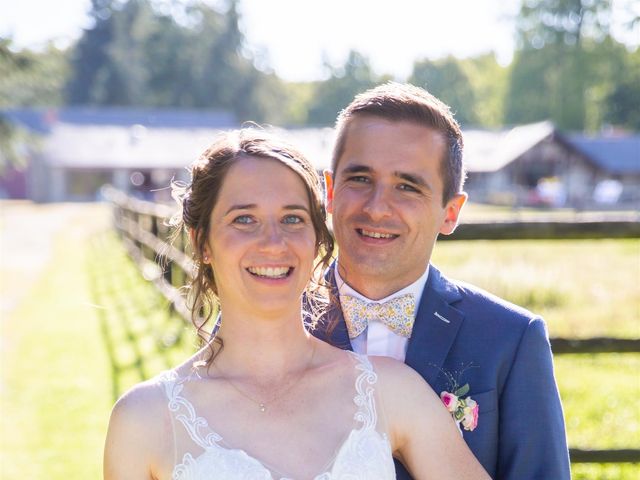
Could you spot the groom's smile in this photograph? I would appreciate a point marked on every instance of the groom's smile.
(375, 237)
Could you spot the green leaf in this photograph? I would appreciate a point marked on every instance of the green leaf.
(463, 390)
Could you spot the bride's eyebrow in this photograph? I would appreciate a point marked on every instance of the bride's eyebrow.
(250, 206)
(296, 207)
(247, 206)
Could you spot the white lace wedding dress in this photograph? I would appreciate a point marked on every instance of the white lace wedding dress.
(364, 455)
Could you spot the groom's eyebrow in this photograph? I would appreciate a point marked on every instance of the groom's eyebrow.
(356, 169)
(413, 178)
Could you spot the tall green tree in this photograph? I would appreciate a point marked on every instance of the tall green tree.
(30, 78)
(90, 58)
(488, 80)
(447, 80)
(558, 71)
(622, 101)
(135, 54)
(335, 93)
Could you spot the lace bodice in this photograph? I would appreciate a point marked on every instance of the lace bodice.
(365, 454)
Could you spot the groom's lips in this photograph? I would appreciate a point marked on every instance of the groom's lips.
(375, 237)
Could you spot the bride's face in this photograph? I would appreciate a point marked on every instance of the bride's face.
(261, 241)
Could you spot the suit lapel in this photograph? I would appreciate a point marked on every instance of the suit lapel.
(436, 327)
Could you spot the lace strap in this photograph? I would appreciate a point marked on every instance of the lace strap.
(182, 410)
(364, 398)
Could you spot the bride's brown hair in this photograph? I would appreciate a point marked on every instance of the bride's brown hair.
(199, 197)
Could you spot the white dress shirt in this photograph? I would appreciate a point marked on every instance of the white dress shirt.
(377, 339)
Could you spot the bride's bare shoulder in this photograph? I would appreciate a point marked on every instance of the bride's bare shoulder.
(141, 403)
(395, 376)
(390, 367)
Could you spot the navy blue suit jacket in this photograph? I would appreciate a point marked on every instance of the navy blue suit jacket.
(520, 433)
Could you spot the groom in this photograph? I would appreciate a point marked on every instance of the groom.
(396, 183)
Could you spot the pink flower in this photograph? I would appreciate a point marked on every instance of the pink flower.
(450, 401)
(470, 419)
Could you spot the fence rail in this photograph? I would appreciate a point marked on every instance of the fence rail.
(627, 226)
(144, 232)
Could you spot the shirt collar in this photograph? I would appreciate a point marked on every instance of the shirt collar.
(416, 288)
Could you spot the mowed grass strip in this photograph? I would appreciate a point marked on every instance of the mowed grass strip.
(91, 328)
(56, 393)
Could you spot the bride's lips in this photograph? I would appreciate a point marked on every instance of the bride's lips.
(270, 273)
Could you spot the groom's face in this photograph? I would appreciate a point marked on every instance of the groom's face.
(386, 200)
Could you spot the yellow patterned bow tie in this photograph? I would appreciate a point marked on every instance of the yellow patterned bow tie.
(397, 314)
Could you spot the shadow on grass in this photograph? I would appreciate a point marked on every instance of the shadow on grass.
(141, 335)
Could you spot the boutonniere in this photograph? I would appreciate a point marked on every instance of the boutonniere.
(463, 409)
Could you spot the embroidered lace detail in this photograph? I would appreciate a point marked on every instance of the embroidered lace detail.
(186, 414)
(364, 398)
(364, 455)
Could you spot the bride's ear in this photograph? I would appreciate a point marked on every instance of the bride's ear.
(206, 252)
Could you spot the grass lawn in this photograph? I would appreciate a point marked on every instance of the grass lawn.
(600, 397)
(91, 327)
(55, 393)
(582, 288)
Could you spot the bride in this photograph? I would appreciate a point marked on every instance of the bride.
(265, 399)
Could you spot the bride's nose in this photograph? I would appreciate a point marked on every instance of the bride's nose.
(272, 239)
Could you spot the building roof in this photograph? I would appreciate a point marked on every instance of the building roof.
(315, 143)
(135, 147)
(91, 137)
(138, 147)
(489, 151)
(616, 155)
(42, 120)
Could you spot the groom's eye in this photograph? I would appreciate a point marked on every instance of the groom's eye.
(358, 178)
(408, 188)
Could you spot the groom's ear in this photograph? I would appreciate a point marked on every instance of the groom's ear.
(328, 189)
(452, 213)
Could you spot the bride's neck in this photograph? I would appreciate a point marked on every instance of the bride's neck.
(262, 347)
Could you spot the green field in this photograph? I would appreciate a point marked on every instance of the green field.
(90, 327)
(583, 288)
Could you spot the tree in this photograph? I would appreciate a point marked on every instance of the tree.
(488, 80)
(623, 100)
(561, 22)
(31, 78)
(90, 57)
(335, 93)
(135, 54)
(447, 80)
(558, 70)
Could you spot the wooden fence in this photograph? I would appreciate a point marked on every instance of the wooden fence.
(143, 229)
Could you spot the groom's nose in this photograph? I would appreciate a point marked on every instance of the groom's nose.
(377, 205)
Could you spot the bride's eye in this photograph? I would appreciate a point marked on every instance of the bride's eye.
(292, 219)
(243, 219)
